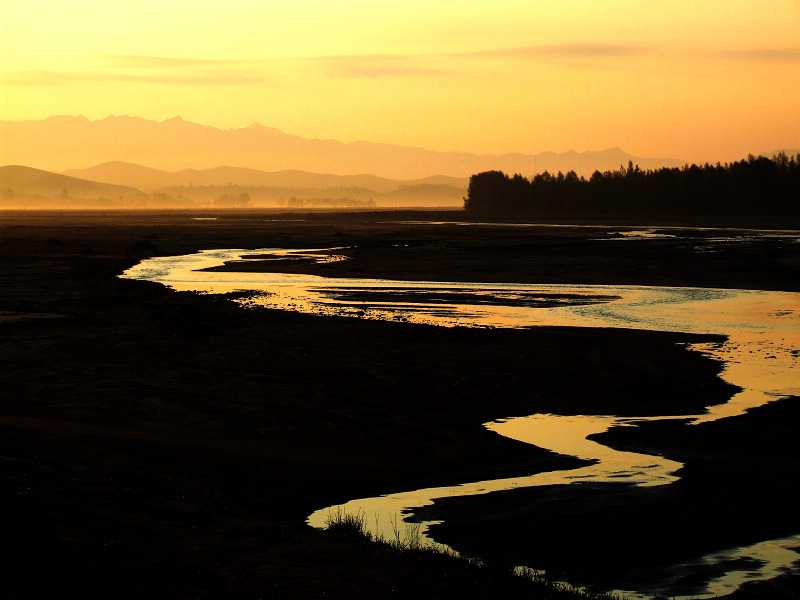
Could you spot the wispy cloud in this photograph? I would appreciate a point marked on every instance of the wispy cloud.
(160, 70)
(570, 51)
(188, 71)
(345, 66)
(135, 61)
(761, 54)
(164, 70)
(374, 66)
(56, 78)
(392, 65)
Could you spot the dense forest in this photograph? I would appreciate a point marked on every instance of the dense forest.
(754, 186)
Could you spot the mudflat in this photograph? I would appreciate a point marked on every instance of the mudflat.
(165, 444)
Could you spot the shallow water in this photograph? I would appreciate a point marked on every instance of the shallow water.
(760, 353)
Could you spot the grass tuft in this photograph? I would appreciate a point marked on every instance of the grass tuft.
(409, 542)
(350, 524)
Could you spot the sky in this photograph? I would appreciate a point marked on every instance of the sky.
(699, 81)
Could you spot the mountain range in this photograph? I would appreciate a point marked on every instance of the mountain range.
(148, 179)
(62, 143)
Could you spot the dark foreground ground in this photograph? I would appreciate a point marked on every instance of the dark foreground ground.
(156, 444)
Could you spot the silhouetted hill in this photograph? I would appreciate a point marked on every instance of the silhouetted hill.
(285, 179)
(124, 173)
(121, 173)
(28, 181)
(64, 142)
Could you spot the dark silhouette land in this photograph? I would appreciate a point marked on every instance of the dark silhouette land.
(164, 444)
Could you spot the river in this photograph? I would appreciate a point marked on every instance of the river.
(760, 356)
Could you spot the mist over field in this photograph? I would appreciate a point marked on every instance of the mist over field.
(227, 187)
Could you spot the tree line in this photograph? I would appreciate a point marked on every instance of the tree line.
(753, 186)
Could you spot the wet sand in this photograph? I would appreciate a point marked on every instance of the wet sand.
(163, 444)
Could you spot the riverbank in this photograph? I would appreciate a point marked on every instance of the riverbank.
(165, 444)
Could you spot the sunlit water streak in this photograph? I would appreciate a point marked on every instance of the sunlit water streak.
(760, 356)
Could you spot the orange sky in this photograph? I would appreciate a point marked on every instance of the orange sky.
(700, 81)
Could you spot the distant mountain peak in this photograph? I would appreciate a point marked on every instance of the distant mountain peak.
(175, 119)
(64, 142)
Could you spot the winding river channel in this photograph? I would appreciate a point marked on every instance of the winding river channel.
(761, 355)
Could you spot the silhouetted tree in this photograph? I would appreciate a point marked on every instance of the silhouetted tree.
(754, 186)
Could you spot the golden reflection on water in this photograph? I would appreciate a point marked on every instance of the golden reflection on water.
(760, 355)
(763, 328)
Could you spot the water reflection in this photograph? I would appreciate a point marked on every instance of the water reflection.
(760, 355)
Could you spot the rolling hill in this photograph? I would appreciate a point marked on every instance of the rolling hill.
(29, 181)
(122, 173)
(276, 189)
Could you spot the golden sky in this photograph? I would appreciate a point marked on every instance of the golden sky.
(700, 81)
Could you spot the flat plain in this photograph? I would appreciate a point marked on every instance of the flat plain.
(165, 444)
